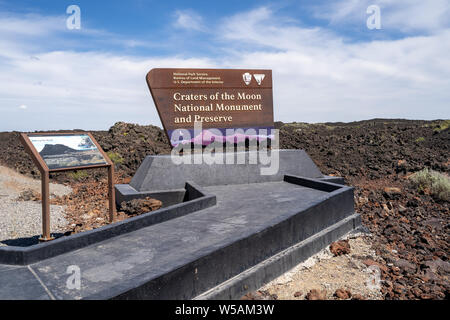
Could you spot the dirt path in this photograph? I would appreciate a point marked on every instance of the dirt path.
(20, 221)
(327, 273)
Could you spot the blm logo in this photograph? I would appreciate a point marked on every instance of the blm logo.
(259, 78)
(247, 77)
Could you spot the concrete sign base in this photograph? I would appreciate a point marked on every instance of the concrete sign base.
(241, 230)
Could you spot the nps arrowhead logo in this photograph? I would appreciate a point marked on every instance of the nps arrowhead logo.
(247, 78)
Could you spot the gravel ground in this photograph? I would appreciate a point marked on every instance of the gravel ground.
(20, 221)
(326, 272)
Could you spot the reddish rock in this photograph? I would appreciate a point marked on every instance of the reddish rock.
(343, 294)
(140, 206)
(431, 274)
(386, 208)
(298, 294)
(401, 162)
(403, 219)
(259, 295)
(252, 296)
(340, 247)
(438, 265)
(398, 288)
(370, 262)
(392, 190)
(357, 297)
(392, 193)
(405, 265)
(315, 294)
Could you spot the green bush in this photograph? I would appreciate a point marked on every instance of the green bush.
(115, 157)
(420, 139)
(78, 174)
(442, 126)
(437, 183)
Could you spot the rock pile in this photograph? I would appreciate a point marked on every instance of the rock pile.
(140, 206)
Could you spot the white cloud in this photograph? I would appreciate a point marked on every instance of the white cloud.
(189, 20)
(30, 24)
(22, 34)
(23, 107)
(396, 15)
(81, 90)
(318, 76)
(260, 27)
(73, 89)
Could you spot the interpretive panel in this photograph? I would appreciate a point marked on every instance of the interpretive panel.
(67, 151)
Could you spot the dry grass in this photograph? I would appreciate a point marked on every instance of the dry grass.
(437, 183)
(443, 125)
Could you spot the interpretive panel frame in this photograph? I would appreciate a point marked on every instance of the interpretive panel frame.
(42, 165)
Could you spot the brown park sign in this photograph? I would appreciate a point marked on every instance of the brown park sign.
(219, 99)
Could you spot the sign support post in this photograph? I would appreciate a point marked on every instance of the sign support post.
(45, 199)
(111, 194)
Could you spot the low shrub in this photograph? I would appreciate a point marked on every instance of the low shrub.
(115, 157)
(420, 139)
(78, 175)
(442, 126)
(437, 183)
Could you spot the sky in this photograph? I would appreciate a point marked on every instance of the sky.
(327, 64)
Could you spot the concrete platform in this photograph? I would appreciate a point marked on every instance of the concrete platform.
(193, 200)
(184, 257)
(250, 234)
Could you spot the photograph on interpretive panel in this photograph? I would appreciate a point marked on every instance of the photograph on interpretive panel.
(67, 151)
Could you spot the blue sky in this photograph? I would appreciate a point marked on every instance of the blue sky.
(327, 65)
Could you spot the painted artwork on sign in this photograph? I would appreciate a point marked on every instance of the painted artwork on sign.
(67, 151)
(230, 105)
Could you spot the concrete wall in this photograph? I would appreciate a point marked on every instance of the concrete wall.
(158, 173)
